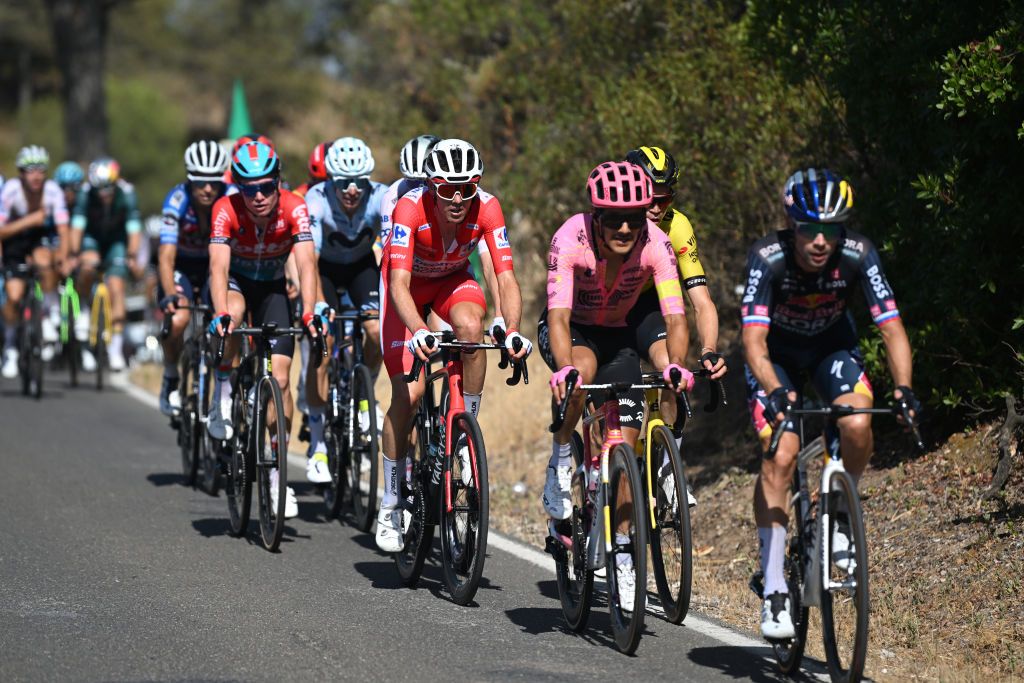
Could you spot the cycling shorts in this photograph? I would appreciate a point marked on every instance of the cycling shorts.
(16, 253)
(186, 287)
(648, 323)
(617, 361)
(360, 279)
(440, 294)
(266, 301)
(835, 374)
(113, 261)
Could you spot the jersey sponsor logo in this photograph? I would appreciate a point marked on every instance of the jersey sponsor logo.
(753, 282)
(501, 238)
(552, 262)
(878, 282)
(400, 236)
(683, 249)
(176, 200)
(837, 369)
(760, 310)
(812, 301)
(853, 245)
(771, 249)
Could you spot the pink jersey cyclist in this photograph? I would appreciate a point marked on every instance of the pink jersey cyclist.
(576, 279)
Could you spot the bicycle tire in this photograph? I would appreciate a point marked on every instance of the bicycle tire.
(842, 486)
(419, 535)
(187, 421)
(71, 349)
(365, 446)
(272, 518)
(627, 620)
(36, 357)
(672, 540)
(207, 448)
(575, 582)
(240, 465)
(24, 343)
(337, 465)
(464, 529)
(789, 653)
(101, 342)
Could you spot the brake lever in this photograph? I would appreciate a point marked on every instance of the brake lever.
(558, 410)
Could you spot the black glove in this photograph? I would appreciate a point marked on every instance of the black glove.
(711, 357)
(167, 301)
(778, 402)
(912, 402)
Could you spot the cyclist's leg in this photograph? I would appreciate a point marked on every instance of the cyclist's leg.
(219, 425)
(174, 342)
(116, 274)
(14, 288)
(272, 307)
(840, 378)
(461, 302)
(316, 391)
(43, 260)
(365, 292)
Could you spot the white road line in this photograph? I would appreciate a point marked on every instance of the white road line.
(535, 557)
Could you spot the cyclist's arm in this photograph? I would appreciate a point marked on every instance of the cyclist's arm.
(132, 252)
(509, 300)
(559, 336)
(756, 309)
(490, 279)
(166, 255)
(30, 220)
(79, 221)
(898, 353)
(401, 296)
(220, 263)
(755, 352)
(309, 280)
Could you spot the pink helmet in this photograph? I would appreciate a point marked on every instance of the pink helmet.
(619, 185)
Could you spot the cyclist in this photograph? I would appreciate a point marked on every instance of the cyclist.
(598, 263)
(646, 317)
(317, 168)
(184, 253)
(344, 217)
(70, 177)
(31, 208)
(107, 230)
(797, 326)
(241, 140)
(426, 262)
(253, 233)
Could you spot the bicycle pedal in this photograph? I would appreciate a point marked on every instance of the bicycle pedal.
(555, 549)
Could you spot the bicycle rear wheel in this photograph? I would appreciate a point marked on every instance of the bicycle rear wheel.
(240, 466)
(671, 540)
(844, 607)
(101, 342)
(576, 582)
(188, 433)
(415, 500)
(464, 527)
(363, 467)
(72, 352)
(789, 653)
(271, 453)
(337, 464)
(626, 503)
(207, 448)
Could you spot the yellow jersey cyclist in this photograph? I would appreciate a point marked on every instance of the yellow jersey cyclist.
(797, 327)
(107, 230)
(646, 317)
(32, 216)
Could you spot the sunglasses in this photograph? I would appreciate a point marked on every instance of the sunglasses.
(447, 191)
(346, 183)
(266, 188)
(662, 199)
(614, 220)
(217, 185)
(812, 230)
(33, 168)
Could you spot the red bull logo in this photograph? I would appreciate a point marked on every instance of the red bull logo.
(811, 301)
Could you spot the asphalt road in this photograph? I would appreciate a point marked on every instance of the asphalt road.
(112, 570)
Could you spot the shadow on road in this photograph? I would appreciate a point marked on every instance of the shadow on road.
(754, 664)
(166, 478)
(212, 527)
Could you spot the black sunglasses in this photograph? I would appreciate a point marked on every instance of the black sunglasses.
(217, 185)
(614, 220)
(811, 230)
(266, 188)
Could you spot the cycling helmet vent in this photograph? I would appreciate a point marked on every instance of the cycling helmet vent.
(619, 185)
(818, 196)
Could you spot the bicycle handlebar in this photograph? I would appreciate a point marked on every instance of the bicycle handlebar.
(519, 370)
(267, 330)
(838, 410)
(558, 410)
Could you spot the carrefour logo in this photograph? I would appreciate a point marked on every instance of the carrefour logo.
(400, 236)
(501, 238)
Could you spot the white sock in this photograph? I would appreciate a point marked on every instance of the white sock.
(473, 403)
(221, 386)
(316, 426)
(390, 499)
(116, 341)
(772, 541)
(561, 454)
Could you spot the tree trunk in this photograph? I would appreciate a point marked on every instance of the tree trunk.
(79, 37)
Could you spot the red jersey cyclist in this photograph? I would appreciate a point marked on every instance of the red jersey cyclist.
(598, 264)
(253, 234)
(426, 262)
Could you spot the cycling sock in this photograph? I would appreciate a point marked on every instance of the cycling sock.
(773, 549)
(561, 454)
(116, 342)
(221, 385)
(171, 370)
(316, 426)
(472, 403)
(622, 558)
(11, 336)
(390, 499)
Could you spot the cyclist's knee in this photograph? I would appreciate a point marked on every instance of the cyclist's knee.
(468, 326)
(372, 330)
(856, 427)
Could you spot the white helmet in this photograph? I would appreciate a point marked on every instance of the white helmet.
(454, 161)
(349, 157)
(33, 155)
(414, 154)
(104, 172)
(206, 160)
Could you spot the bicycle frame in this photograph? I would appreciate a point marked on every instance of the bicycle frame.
(70, 306)
(101, 300)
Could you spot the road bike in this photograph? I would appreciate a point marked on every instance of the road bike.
(835, 583)
(101, 328)
(194, 387)
(30, 332)
(447, 485)
(608, 524)
(351, 430)
(670, 533)
(70, 310)
(259, 442)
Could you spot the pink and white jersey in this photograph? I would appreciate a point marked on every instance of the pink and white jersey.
(14, 204)
(576, 277)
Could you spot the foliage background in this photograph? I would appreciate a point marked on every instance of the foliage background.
(918, 103)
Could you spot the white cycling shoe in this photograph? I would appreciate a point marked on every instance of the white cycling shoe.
(625, 579)
(842, 547)
(667, 479)
(291, 504)
(10, 369)
(317, 470)
(88, 361)
(776, 622)
(389, 530)
(557, 497)
(219, 421)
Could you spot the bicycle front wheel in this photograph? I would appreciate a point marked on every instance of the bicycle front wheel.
(464, 522)
(271, 454)
(575, 581)
(206, 447)
(240, 466)
(626, 564)
(844, 601)
(70, 342)
(188, 425)
(100, 350)
(671, 539)
(417, 527)
(363, 467)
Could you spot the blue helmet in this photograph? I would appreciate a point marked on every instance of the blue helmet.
(254, 160)
(818, 196)
(69, 173)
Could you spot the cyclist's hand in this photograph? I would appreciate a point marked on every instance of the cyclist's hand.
(326, 314)
(685, 382)
(779, 401)
(36, 218)
(221, 324)
(311, 321)
(497, 323)
(419, 346)
(714, 363)
(905, 393)
(525, 349)
(169, 304)
(68, 265)
(558, 382)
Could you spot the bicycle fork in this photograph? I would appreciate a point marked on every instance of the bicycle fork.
(817, 574)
